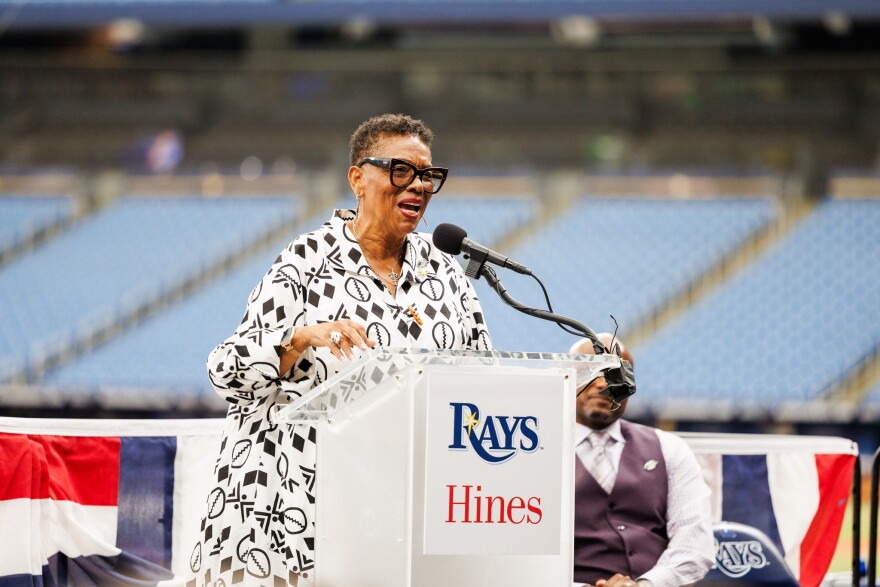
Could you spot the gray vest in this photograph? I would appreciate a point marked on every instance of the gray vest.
(624, 532)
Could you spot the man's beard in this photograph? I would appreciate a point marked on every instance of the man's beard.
(603, 416)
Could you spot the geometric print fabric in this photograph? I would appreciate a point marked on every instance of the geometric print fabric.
(258, 526)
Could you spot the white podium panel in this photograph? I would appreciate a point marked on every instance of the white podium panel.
(494, 468)
(446, 468)
(364, 492)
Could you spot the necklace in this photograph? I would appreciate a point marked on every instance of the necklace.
(393, 276)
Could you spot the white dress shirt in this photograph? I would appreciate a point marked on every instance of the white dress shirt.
(691, 549)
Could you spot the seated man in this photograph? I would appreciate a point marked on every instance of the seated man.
(641, 505)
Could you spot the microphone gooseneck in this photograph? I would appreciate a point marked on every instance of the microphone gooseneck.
(582, 328)
(453, 240)
(621, 382)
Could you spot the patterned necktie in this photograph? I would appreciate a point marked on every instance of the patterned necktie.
(600, 463)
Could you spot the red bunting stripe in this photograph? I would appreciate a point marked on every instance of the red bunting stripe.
(82, 469)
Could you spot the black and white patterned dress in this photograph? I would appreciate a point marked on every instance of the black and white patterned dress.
(259, 525)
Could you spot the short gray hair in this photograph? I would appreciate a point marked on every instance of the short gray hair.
(370, 131)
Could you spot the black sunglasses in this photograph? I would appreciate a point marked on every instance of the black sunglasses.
(403, 173)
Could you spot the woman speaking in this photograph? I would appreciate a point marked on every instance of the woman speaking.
(364, 279)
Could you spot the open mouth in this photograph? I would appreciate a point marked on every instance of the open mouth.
(410, 208)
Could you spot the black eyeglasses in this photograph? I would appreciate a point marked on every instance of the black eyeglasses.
(403, 173)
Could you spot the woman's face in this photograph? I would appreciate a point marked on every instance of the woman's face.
(390, 211)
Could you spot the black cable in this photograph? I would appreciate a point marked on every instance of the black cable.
(620, 381)
(550, 306)
(581, 329)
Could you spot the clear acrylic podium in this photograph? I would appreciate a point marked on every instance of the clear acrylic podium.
(441, 468)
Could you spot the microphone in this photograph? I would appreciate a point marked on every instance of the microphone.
(453, 239)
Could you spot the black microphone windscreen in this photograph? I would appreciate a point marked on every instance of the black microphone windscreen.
(448, 238)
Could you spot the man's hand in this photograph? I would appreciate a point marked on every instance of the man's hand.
(617, 580)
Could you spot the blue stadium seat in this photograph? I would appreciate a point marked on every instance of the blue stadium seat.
(486, 220)
(745, 555)
(794, 322)
(113, 263)
(620, 257)
(166, 353)
(24, 216)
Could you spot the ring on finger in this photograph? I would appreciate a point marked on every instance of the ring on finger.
(335, 337)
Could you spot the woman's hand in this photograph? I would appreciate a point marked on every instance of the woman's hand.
(350, 335)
